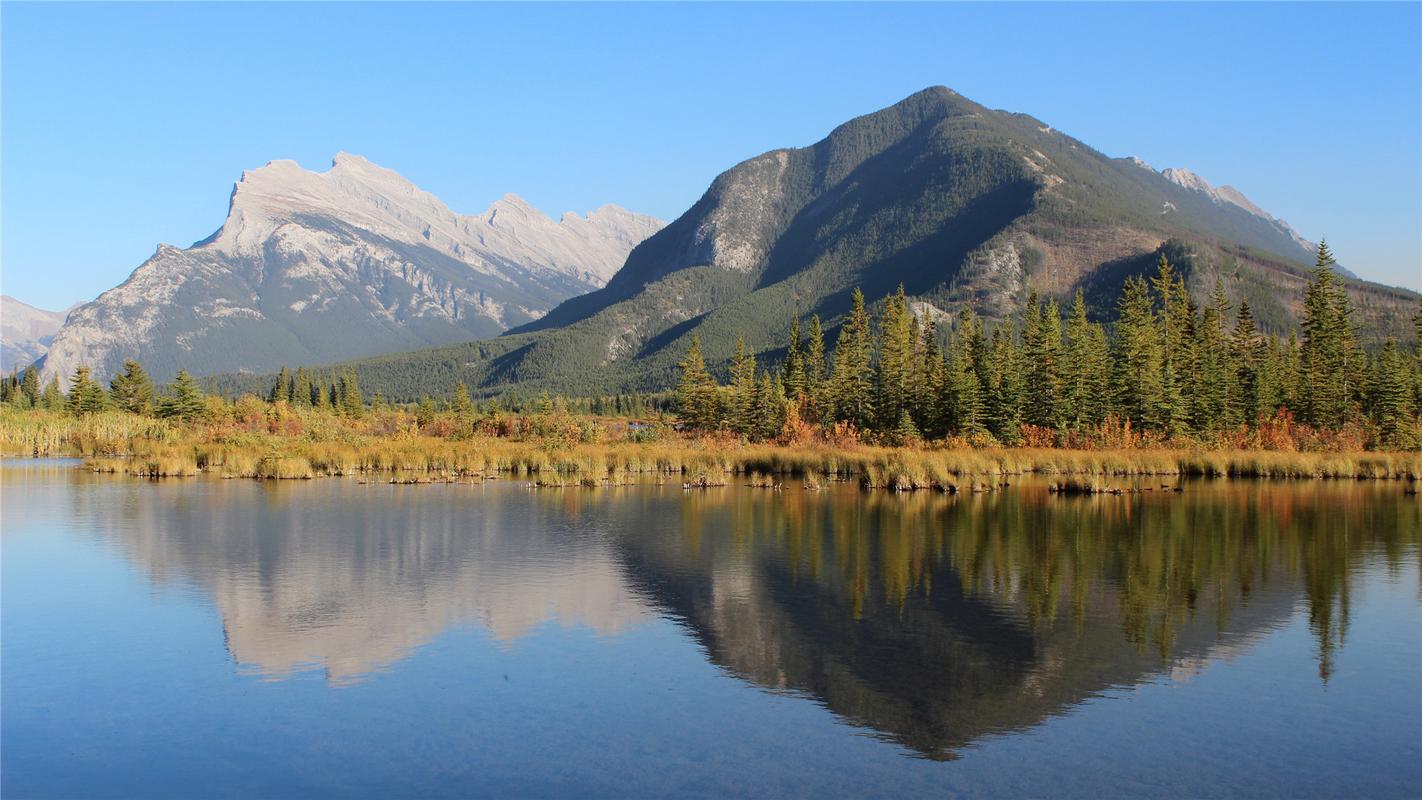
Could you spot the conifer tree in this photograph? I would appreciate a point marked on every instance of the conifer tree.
(281, 387)
(893, 375)
(1326, 355)
(931, 384)
(350, 401)
(794, 372)
(851, 383)
(301, 394)
(815, 358)
(696, 391)
(1080, 390)
(1248, 352)
(85, 396)
(29, 385)
(52, 397)
(1213, 404)
(462, 406)
(1042, 341)
(742, 390)
(1138, 387)
(1393, 409)
(186, 400)
(132, 390)
(1003, 401)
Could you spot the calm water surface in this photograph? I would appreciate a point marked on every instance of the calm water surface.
(205, 638)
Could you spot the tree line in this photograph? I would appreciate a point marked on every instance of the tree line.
(1164, 367)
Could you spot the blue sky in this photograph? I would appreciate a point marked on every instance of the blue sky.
(125, 125)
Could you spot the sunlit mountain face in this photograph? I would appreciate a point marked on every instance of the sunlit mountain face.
(931, 620)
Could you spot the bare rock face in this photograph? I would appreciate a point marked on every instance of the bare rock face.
(313, 267)
(25, 332)
(1229, 195)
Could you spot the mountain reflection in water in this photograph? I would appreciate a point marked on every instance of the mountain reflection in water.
(932, 620)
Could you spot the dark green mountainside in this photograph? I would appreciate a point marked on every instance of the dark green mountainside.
(959, 203)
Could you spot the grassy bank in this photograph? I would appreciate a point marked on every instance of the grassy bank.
(552, 454)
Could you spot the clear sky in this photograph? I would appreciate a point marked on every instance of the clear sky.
(125, 125)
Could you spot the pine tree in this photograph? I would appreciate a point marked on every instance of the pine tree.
(893, 375)
(85, 396)
(1084, 369)
(815, 358)
(794, 372)
(696, 391)
(769, 409)
(1213, 401)
(350, 401)
(932, 384)
(462, 406)
(1042, 340)
(132, 390)
(1138, 387)
(52, 397)
(29, 385)
(1248, 352)
(186, 401)
(301, 393)
(281, 388)
(1330, 363)
(851, 383)
(1003, 400)
(742, 390)
(1393, 410)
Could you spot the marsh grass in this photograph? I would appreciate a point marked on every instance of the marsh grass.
(326, 446)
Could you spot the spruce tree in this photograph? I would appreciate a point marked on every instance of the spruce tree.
(1138, 387)
(1393, 410)
(52, 397)
(132, 390)
(742, 390)
(851, 383)
(186, 400)
(281, 387)
(85, 396)
(1248, 353)
(301, 393)
(794, 372)
(1003, 401)
(351, 403)
(1042, 341)
(696, 391)
(29, 385)
(893, 375)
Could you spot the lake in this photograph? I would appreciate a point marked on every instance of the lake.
(210, 638)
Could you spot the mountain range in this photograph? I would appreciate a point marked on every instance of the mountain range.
(310, 268)
(959, 203)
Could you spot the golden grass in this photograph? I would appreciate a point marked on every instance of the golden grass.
(327, 446)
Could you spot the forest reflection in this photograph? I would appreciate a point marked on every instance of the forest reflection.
(932, 620)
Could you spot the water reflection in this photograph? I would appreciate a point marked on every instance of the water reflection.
(931, 620)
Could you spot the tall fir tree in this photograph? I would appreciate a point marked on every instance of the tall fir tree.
(185, 400)
(85, 396)
(1138, 389)
(793, 375)
(851, 382)
(696, 391)
(893, 372)
(132, 390)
